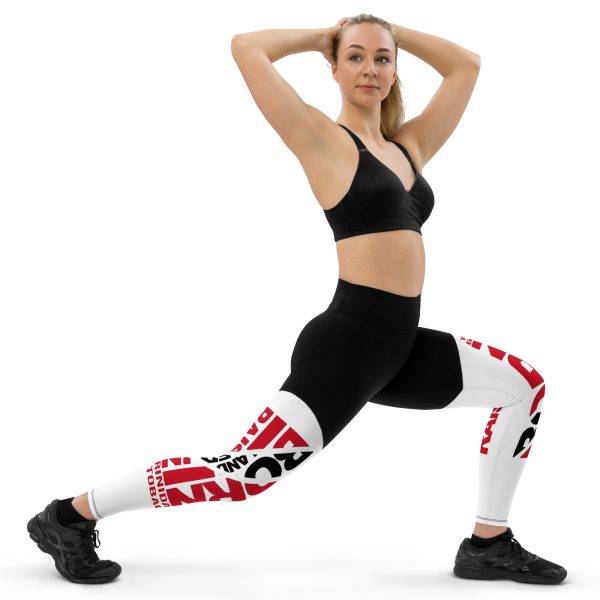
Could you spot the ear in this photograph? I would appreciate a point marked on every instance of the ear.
(334, 72)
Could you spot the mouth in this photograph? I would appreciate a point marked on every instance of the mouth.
(368, 87)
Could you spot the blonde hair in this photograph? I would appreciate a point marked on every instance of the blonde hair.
(392, 106)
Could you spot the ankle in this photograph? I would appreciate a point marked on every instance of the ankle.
(488, 531)
(81, 505)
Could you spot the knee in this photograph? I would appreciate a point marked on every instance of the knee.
(531, 385)
(514, 375)
(531, 401)
(531, 378)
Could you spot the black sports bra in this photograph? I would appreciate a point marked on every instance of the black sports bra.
(377, 200)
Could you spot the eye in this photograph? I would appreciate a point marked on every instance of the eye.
(387, 60)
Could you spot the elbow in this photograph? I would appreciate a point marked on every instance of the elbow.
(236, 41)
(240, 38)
(476, 59)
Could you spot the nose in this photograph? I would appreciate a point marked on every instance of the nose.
(370, 67)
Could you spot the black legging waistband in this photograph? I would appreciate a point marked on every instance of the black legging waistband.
(386, 311)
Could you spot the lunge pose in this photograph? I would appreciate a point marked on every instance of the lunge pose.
(365, 170)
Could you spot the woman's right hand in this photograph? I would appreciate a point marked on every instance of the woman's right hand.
(328, 35)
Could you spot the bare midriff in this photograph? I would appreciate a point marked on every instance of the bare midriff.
(393, 261)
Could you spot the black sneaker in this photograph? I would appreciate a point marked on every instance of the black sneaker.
(505, 559)
(71, 547)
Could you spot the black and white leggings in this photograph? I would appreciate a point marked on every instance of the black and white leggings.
(366, 346)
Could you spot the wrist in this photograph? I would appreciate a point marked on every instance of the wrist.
(324, 38)
(397, 31)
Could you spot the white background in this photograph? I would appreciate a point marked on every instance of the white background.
(161, 250)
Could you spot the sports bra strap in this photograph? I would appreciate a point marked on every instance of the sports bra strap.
(356, 139)
(361, 146)
(405, 151)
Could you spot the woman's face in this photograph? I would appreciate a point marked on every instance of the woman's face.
(373, 64)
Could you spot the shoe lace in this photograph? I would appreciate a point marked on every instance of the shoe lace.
(86, 545)
(518, 551)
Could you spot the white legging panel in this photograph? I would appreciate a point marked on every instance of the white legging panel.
(285, 435)
(515, 391)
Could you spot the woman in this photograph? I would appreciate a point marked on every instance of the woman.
(365, 170)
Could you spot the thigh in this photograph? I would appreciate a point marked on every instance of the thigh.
(447, 370)
(429, 378)
(338, 363)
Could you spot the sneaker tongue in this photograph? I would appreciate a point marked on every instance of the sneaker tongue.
(83, 526)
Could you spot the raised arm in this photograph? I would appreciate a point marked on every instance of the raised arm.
(296, 122)
(427, 132)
